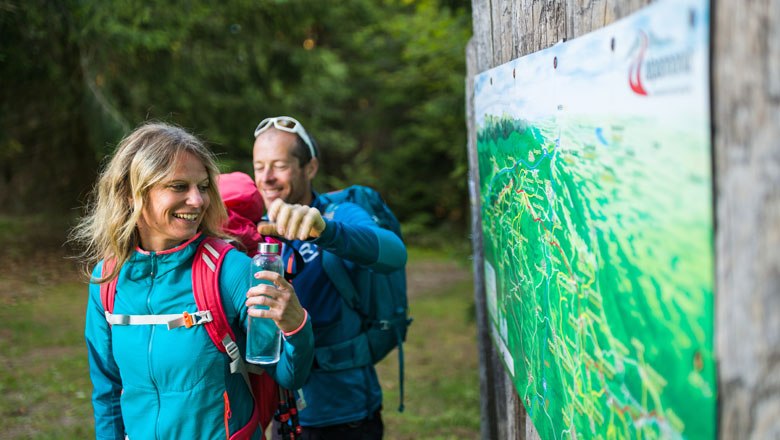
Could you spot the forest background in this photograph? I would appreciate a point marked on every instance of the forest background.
(378, 83)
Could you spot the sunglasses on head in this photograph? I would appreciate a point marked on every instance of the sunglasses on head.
(288, 124)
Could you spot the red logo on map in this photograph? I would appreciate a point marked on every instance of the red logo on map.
(635, 70)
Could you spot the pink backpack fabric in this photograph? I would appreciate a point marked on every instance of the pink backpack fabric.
(245, 208)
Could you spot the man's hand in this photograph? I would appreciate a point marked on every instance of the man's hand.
(292, 221)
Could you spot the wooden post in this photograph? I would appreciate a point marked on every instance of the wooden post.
(746, 140)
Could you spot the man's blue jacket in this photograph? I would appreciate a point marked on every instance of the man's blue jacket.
(336, 397)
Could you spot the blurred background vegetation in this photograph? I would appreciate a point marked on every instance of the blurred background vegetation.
(379, 84)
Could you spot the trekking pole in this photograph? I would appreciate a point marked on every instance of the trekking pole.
(295, 426)
(283, 414)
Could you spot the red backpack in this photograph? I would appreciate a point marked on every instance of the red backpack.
(244, 207)
(205, 288)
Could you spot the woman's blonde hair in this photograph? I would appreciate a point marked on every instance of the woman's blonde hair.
(141, 160)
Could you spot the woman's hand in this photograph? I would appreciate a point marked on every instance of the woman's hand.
(283, 305)
(292, 221)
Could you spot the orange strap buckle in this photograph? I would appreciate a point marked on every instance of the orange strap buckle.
(188, 321)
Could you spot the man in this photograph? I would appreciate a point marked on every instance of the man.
(341, 403)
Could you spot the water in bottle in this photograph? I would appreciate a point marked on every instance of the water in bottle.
(264, 338)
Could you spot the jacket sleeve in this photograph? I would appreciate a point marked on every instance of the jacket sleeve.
(353, 236)
(296, 360)
(297, 356)
(103, 371)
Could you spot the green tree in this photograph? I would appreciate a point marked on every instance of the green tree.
(378, 84)
(46, 158)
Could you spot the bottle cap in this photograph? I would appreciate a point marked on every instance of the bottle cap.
(268, 248)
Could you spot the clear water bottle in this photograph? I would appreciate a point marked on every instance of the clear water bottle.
(264, 338)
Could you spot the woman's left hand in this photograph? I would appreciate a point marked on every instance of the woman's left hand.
(280, 298)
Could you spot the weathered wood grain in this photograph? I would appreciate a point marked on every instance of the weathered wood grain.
(502, 25)
(482, 34)
(746, 140)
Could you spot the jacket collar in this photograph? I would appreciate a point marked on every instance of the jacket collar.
(143, 264)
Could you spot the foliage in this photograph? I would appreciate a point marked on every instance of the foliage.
(44, 142)
(380, 84)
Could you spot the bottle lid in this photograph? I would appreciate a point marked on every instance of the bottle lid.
(268, 248)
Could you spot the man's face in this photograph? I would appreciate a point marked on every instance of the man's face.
(278, 173)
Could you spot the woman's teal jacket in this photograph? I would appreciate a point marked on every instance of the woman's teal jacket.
(153, 383)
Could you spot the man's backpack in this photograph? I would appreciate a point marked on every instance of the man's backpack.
(205, 287)
(378, 298)
(244, 206)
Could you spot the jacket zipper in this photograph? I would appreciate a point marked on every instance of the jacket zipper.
(153, 264)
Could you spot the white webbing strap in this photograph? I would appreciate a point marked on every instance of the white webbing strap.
(172, 320)
(211, 250)
(205, 257)
(237, 364)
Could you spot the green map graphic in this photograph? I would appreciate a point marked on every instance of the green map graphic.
(604, 266)
(594, 161)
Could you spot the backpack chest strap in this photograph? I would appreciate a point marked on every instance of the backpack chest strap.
(172, 321)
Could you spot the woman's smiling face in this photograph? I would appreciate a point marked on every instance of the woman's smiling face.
(175, 206)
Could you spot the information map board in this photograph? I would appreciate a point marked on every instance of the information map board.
(596, 197)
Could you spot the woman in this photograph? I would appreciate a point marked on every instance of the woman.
(153, 204)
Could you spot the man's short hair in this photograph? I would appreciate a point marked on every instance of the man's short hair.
(301, 150)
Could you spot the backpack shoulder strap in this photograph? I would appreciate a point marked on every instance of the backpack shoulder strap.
(331, 264)
(205, 286)
(334, 268)
(108, 290)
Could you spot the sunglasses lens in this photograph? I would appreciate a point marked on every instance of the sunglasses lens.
(263, 126)
(286, 123)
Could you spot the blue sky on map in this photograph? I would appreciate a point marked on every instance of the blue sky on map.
(592, 79)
